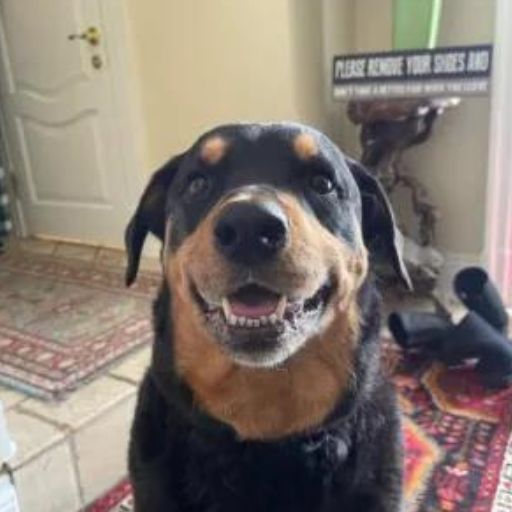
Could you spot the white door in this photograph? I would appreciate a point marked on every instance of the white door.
(63, 131)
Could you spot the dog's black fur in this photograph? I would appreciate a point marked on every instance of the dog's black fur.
(181, 459)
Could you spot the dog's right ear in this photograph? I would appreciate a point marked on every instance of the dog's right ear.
(149, 216)
(379, 221)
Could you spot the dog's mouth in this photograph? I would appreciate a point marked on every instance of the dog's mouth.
(260, 326)
(254, 306)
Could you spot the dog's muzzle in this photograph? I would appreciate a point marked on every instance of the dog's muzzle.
(259, 312)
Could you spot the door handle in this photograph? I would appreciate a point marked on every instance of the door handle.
(91, 36)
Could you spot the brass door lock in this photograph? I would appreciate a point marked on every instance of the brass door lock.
(96, 61)
(91, 36)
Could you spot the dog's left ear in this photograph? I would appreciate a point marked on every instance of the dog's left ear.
(149, 217)
(379, 226)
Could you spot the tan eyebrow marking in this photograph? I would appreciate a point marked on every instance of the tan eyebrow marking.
(213, 149)
(305, 146)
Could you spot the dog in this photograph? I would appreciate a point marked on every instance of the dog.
(264, 392)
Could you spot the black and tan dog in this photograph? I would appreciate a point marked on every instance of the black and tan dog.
(264, 393)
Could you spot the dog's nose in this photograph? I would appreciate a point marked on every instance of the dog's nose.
(250, 233)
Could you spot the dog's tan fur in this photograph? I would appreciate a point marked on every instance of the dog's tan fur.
(305, 146)
(213, 149)
(268, 403)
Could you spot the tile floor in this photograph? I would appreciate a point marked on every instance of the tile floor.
(69, 453)
(96, 255)
(79, 444)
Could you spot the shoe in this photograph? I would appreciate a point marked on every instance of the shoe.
(474, 338)
(414, 330)
(475, 289)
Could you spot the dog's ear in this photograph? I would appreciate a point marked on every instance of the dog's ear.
(379, 227)
(149, 216)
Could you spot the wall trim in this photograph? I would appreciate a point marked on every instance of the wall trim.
(498, 235)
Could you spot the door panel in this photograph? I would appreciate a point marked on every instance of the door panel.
(64, 137)
(48, 149)
(46, 22)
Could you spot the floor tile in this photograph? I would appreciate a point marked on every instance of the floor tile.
(31, 435)
(76, 251)
(102, 448)
(10, 398)
(36, 246)
(111, 257)
(48, 483)
(134, 366)
(83, 405)
(151, 264)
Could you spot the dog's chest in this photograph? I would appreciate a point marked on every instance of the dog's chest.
(261, 477)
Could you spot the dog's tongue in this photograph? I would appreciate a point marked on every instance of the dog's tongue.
(253, 310)
(253, 302)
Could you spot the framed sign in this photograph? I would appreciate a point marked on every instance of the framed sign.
(454, 71)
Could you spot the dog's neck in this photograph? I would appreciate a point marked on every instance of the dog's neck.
(266, 403)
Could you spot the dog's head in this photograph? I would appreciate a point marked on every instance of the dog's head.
(265, 233)
(265, 230)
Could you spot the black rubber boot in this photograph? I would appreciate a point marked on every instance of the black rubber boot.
(474, 338)
(475, 289)
(414, 330)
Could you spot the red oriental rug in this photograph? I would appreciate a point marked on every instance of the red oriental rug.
(119, 499)
(457, 439)
(62, 321)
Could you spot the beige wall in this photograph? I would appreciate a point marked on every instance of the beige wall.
(373, 25)
(200, 63)
(453, 164)
(339, 18)
(351, 26)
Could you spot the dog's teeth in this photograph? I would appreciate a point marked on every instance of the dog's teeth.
(227, 309)
(242, 321)
(281, 306)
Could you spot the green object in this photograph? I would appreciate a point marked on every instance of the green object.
(416, 23)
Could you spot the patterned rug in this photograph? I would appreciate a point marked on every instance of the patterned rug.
(119, 499)
(457, 438)
(62, 321)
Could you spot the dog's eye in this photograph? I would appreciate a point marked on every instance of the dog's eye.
(197, 186)
(321, 184)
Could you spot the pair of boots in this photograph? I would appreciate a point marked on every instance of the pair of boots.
(481, 334)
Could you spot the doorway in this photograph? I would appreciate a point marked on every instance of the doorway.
(67, 118)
